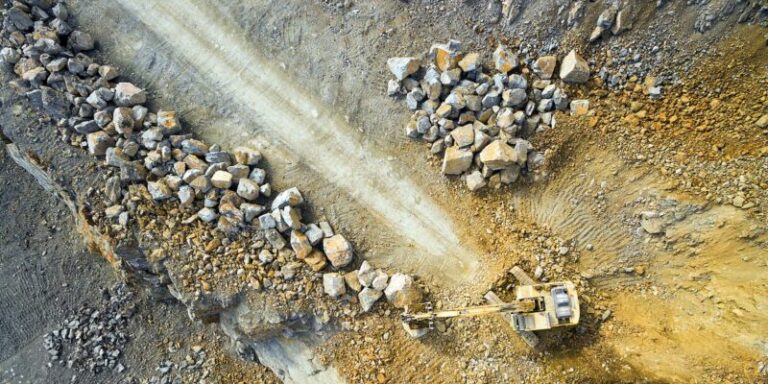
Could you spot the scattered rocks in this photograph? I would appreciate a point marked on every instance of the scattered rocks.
(93, 338)
(474, 119)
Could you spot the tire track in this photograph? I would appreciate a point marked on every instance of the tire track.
(217, 48)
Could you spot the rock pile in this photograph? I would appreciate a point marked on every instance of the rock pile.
(93, 338)
(480, 122)
(150, 153)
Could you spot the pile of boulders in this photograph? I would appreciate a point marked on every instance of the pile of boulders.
(370, 285)
(93, 338)
(151, 151)
(479, 122)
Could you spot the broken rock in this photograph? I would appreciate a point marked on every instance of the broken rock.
(368, 297)
(574, 69)
(402, 67)
(338, 250)
(128, 95)
(333, 284)
(456, 161)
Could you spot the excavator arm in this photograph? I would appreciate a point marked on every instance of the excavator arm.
(517, 307)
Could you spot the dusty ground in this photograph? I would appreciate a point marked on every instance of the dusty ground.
(687, 305)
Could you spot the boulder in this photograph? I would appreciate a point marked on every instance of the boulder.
(316, 260)
(579, 107)
(397, 283)
(463, 136)
(446, 56)
(402, 67)
(456, 161)
(498, 155)
(470, 62)
(574, 69)
(290, 197)
(544, 66)
(366, 274)
(333, 284)
(504, 60)
(98, 142)
(476, 181)
(247, 156)
(353, 281)
(128, 95)
(221, 179)
(368, 297)
(300, 244)
(338, 250)
(248, 189)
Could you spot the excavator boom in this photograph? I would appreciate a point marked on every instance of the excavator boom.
(519, 306)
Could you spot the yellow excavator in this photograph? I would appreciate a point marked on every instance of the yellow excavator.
(537, 307)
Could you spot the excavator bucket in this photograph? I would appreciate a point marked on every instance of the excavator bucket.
(529, 337)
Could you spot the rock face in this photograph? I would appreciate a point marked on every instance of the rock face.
(402, 67)
(338, 250)
(574, 69)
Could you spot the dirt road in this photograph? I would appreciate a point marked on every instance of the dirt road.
(303, 128)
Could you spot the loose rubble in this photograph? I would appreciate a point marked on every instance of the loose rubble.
(481, 122)
(93, 338)
(154, 164)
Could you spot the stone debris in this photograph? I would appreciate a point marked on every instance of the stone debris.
(155, 169)
(474, 119)
(93, 338)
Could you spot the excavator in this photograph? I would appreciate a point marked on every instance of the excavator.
(537, 307)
